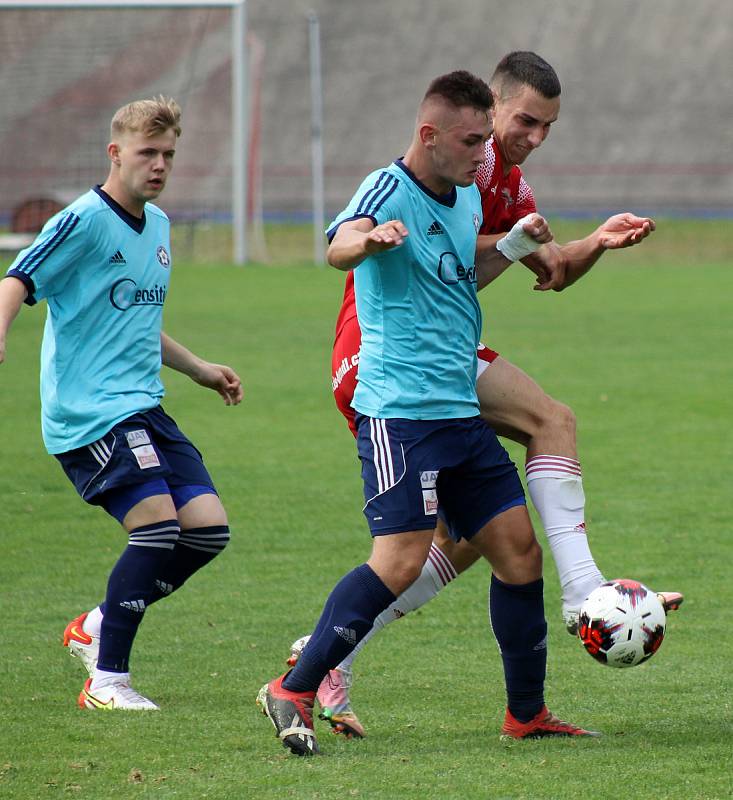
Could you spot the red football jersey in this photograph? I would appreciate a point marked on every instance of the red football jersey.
(504, 199)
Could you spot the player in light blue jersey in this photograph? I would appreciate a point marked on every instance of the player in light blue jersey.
(102, 265)
(398, 307)
(411, 235)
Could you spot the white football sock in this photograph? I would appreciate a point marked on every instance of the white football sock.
(103, 678)
(93, 622)
(555, 485)
(436, 574)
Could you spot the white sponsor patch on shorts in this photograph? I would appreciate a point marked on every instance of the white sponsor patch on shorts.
(430, 501)
(136, 438)
(428, 479)
(146, 456)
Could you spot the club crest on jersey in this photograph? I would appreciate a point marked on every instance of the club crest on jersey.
(451, 271)
(162, 255)
(507, 195)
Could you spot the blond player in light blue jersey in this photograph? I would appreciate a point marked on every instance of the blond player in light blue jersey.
(103, 265)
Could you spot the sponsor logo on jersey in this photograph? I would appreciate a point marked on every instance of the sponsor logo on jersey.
(343, 369)
(162, 255)
(117, 259)
(451, 271)
(436, 229)
(125, 294)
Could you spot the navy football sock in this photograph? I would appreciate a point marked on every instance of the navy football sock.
(194, 549)
(129, 589)
(349, 614)
(518, 619)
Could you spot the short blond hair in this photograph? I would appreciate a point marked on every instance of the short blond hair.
(151, 117)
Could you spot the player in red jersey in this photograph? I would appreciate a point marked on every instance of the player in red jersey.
(526, 104)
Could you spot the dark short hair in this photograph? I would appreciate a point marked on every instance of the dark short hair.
(528, 69)
(461, 88)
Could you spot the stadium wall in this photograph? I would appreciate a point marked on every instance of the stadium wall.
(643, 125)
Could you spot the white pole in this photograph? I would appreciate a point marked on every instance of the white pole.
(240, 139)
(314, 30)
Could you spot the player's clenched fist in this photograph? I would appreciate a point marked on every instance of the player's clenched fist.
(385, 236)
(537, 228)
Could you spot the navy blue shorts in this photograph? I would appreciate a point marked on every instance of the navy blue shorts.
(146, 448)
(414, 470)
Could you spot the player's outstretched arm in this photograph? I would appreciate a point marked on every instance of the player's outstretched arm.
(495, 253)
(12, 295)
(218, 377)
(357, 239)
(618, 231)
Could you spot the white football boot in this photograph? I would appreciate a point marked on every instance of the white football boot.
(81, 644)
(114, 695)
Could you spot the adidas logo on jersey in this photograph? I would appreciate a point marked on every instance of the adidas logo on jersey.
(346, 633)
(436, 229)
(117, 258)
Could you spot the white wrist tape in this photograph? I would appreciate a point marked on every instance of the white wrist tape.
(517, 244)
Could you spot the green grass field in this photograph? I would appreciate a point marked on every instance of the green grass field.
(641, 349)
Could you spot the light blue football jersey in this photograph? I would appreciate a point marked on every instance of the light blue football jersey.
(417, 307)
(104, 275)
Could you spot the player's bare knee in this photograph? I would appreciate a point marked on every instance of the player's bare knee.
(556, 416)
(532, 555)
(522, 563)
(400, 574)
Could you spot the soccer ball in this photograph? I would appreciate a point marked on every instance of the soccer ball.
(622, 623)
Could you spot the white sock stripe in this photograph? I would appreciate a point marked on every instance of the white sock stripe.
(552, 465)
(204, 549)
(199, 539)
(210, 547)
(162, 537)
(569, 462)
(439, 569)
(437, 556)
(554, 458)
(153, 531)
(159, 545)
